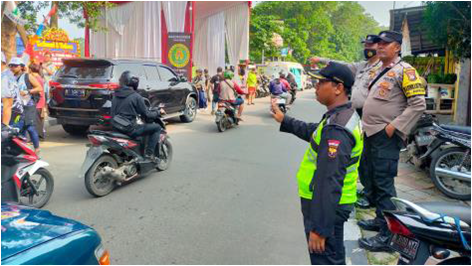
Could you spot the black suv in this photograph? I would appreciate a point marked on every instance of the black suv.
(81, 87)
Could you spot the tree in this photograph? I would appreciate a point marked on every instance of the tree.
(262, 29)
(322, 28)
(448, 25)
(74, 11)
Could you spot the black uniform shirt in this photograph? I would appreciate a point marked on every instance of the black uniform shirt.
(334, 155)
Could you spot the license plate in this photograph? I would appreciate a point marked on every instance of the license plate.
(75, 93)
(406, 246)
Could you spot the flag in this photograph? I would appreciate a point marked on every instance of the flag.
(51, 13)
(13, 13)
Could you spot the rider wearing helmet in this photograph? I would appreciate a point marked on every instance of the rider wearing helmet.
(229, 91)
(129, 104)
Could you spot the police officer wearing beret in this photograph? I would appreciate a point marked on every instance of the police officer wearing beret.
(395, 103)
(327, 176)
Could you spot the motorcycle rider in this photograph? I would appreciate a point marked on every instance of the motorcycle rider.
(128, 104)
(229, 91)
(289, 80)
(280, 92)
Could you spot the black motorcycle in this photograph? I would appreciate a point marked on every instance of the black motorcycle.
(114, 159)
(450, 160)
(425, 230)
(225, 116)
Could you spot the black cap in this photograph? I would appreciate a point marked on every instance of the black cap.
(371, 39)
(391, 36)
(336, 72)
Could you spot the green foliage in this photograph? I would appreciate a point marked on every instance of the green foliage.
(448, 25)
(321, 28)
(72, 10)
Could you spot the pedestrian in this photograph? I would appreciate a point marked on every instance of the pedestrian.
(243, 80)
(8, 92)
(215, 83)
(252, 85)
(199, 83)
(35, 71)
(327, 176)
(30, 91)
(395, 102)
(48, 70)
(207, 84)
(364, 72)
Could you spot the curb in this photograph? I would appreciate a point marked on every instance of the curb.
(354, 254)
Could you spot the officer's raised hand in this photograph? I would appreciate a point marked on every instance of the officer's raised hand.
(277, 113)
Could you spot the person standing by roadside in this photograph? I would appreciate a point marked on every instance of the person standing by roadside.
(35, 70)
(207, 85)
(364, 73)
(10, 94)
(252, 85)
(199, 83)
(327, 176)
(215, 83)
(395, 103)
(48, 70)
(30, 90)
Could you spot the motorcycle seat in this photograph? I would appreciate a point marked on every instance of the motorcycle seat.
(450, 209)
(110, 134)
(459, 129)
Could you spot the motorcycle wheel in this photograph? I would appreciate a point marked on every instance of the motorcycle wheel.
(222, 124)
(97, 185)
(44, 186)
(449, 159)
(165, 156)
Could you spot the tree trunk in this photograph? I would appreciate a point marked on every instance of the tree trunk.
(24, 36)
(8, 38)
(54, 19)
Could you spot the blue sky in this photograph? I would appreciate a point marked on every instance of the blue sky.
(378, 9)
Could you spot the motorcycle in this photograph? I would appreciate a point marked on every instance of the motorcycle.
(114, 159)
(429, 229)
(225, 116)
(418, 141)
(450, 160)
(22, 165)
(263, 89)
(281, 102)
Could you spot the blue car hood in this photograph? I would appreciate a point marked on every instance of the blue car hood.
(24, 228)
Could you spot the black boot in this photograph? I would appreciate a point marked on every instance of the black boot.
(370, 225)
(378, 243)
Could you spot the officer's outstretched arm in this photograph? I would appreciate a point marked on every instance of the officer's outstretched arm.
(298, 128)
(333, 158)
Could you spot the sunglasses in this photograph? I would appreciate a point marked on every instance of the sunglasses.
(13, 65)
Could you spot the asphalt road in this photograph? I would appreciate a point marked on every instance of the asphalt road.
(228, 198)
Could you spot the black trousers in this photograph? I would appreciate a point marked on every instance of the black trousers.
(335, 253)
(381, 155)
(153, 130)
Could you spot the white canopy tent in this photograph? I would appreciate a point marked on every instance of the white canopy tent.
(135, 31)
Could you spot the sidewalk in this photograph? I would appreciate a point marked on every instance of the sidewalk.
(412, 184)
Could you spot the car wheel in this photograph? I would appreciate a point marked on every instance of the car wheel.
(75, 129)
(190, 111)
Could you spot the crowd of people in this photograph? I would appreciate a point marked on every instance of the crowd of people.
(25, 94)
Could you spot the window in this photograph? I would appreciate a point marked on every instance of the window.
(166, 74)
(85, 72)
(136, 69)
(151, 73)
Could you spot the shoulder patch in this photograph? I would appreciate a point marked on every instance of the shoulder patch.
(333, 146)
(411, 74)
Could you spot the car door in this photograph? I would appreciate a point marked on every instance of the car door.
(158, 91)
(176, 88)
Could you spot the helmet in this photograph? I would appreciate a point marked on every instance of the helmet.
(128, 79)
(282, 74)
(228, 75)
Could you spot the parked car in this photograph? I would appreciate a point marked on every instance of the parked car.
(81, 86)
(37, 237)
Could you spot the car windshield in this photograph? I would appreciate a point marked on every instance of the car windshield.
(85, 72)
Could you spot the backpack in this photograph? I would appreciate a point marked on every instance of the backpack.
(29, 86)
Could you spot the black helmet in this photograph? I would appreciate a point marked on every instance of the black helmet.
(129, 79)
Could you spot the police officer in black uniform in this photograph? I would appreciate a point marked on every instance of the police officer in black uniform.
(327, 176)
(128, 103)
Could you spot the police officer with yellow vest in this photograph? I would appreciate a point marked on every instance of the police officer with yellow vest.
(327, 176)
